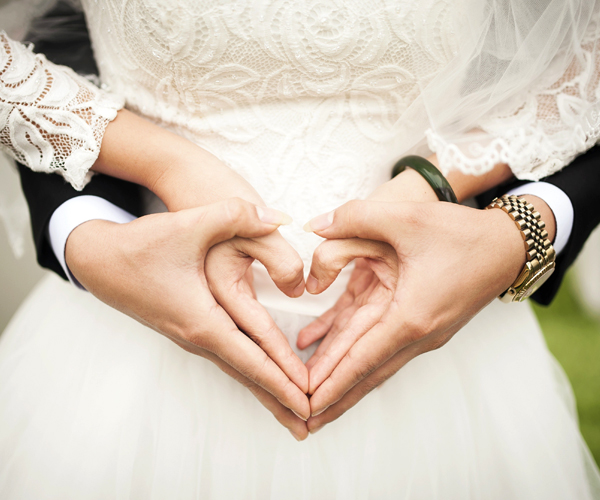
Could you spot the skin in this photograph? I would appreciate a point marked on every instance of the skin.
(153, 269)
(384, 235)
(185, 176)
(389, 313)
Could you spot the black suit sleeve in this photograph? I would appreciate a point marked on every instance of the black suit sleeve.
(62, 36)
(581, 182)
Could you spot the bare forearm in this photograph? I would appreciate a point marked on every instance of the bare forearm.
(178, 171)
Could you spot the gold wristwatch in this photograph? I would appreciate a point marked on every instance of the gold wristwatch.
(540, 252)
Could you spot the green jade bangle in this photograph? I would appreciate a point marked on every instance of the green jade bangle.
(430, 173)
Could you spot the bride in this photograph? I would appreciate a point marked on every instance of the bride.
(299, 107)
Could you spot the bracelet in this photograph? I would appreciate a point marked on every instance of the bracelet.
(430, 173)
(540, 254)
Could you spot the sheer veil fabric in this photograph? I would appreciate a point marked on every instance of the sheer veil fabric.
(311, 102)
(525, 91)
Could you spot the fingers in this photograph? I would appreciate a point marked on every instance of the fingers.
(284, 416)
(284, 265)
(375, 379)
(321, 326)
(360, 323)
(360, 390)
(340, 322)
(361, 219)
(234, 217)
(360, 280)
(371, 351)
(331, 256)
(225, 269)
(241, 353)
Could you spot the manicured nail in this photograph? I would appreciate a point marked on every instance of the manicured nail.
(299, 290)
(311, 284)
(299, 416)
(317, 413)
(272, 216)
(314, 431)
(319, 223)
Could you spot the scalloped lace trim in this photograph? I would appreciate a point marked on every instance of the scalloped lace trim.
(51, 119)
(530, 153)
(537, 134)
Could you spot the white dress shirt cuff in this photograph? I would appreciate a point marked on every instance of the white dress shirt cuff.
(559, 203)
(74, 212)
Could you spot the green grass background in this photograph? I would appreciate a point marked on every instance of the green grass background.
(573, 336)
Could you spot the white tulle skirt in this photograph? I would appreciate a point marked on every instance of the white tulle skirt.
(95, 406)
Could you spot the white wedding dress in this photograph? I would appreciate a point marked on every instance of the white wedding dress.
(303, 99)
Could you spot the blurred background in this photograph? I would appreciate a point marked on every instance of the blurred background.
(571, 324)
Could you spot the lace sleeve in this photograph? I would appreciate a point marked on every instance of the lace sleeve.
(540, 129)
(51, 119)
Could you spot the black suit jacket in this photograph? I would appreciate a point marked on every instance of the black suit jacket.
(63, 37)
(68, 43)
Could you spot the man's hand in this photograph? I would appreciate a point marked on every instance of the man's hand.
(366, 299)
(153, 270)
(451, 262)
(230, 280)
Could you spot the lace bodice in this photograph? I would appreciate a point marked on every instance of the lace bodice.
(310, 101)
(299, 97)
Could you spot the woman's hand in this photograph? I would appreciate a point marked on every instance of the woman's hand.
(451, 262)
(229, 277)
(153, 269)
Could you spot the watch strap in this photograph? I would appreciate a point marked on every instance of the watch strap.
(540, 253)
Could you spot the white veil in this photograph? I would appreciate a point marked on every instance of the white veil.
(523, 89)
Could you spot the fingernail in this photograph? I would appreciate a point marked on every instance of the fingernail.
(311, 284)
(272, 216)
(319, 223)
(296, 437)
(317, 413)
(299, 416)
(299, 290)
(314, 431)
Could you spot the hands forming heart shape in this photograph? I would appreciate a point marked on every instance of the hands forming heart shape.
(186, 275)
(400, 301)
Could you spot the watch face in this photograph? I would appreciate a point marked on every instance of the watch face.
(535, 283)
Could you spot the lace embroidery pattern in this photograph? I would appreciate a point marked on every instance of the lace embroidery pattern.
(541, 134)
(300, 98)
(51, 119)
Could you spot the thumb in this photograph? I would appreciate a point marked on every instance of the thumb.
(372, 220)
(223, 220)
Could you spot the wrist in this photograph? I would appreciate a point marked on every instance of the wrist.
(81, 248)
(539, 262)
(546, 213)
(200, 180)
(407, 186)
(506, 247)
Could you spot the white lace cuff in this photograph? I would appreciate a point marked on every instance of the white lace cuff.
(536, 132)
(51, 119)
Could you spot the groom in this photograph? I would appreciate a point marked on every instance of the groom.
(60, 214)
